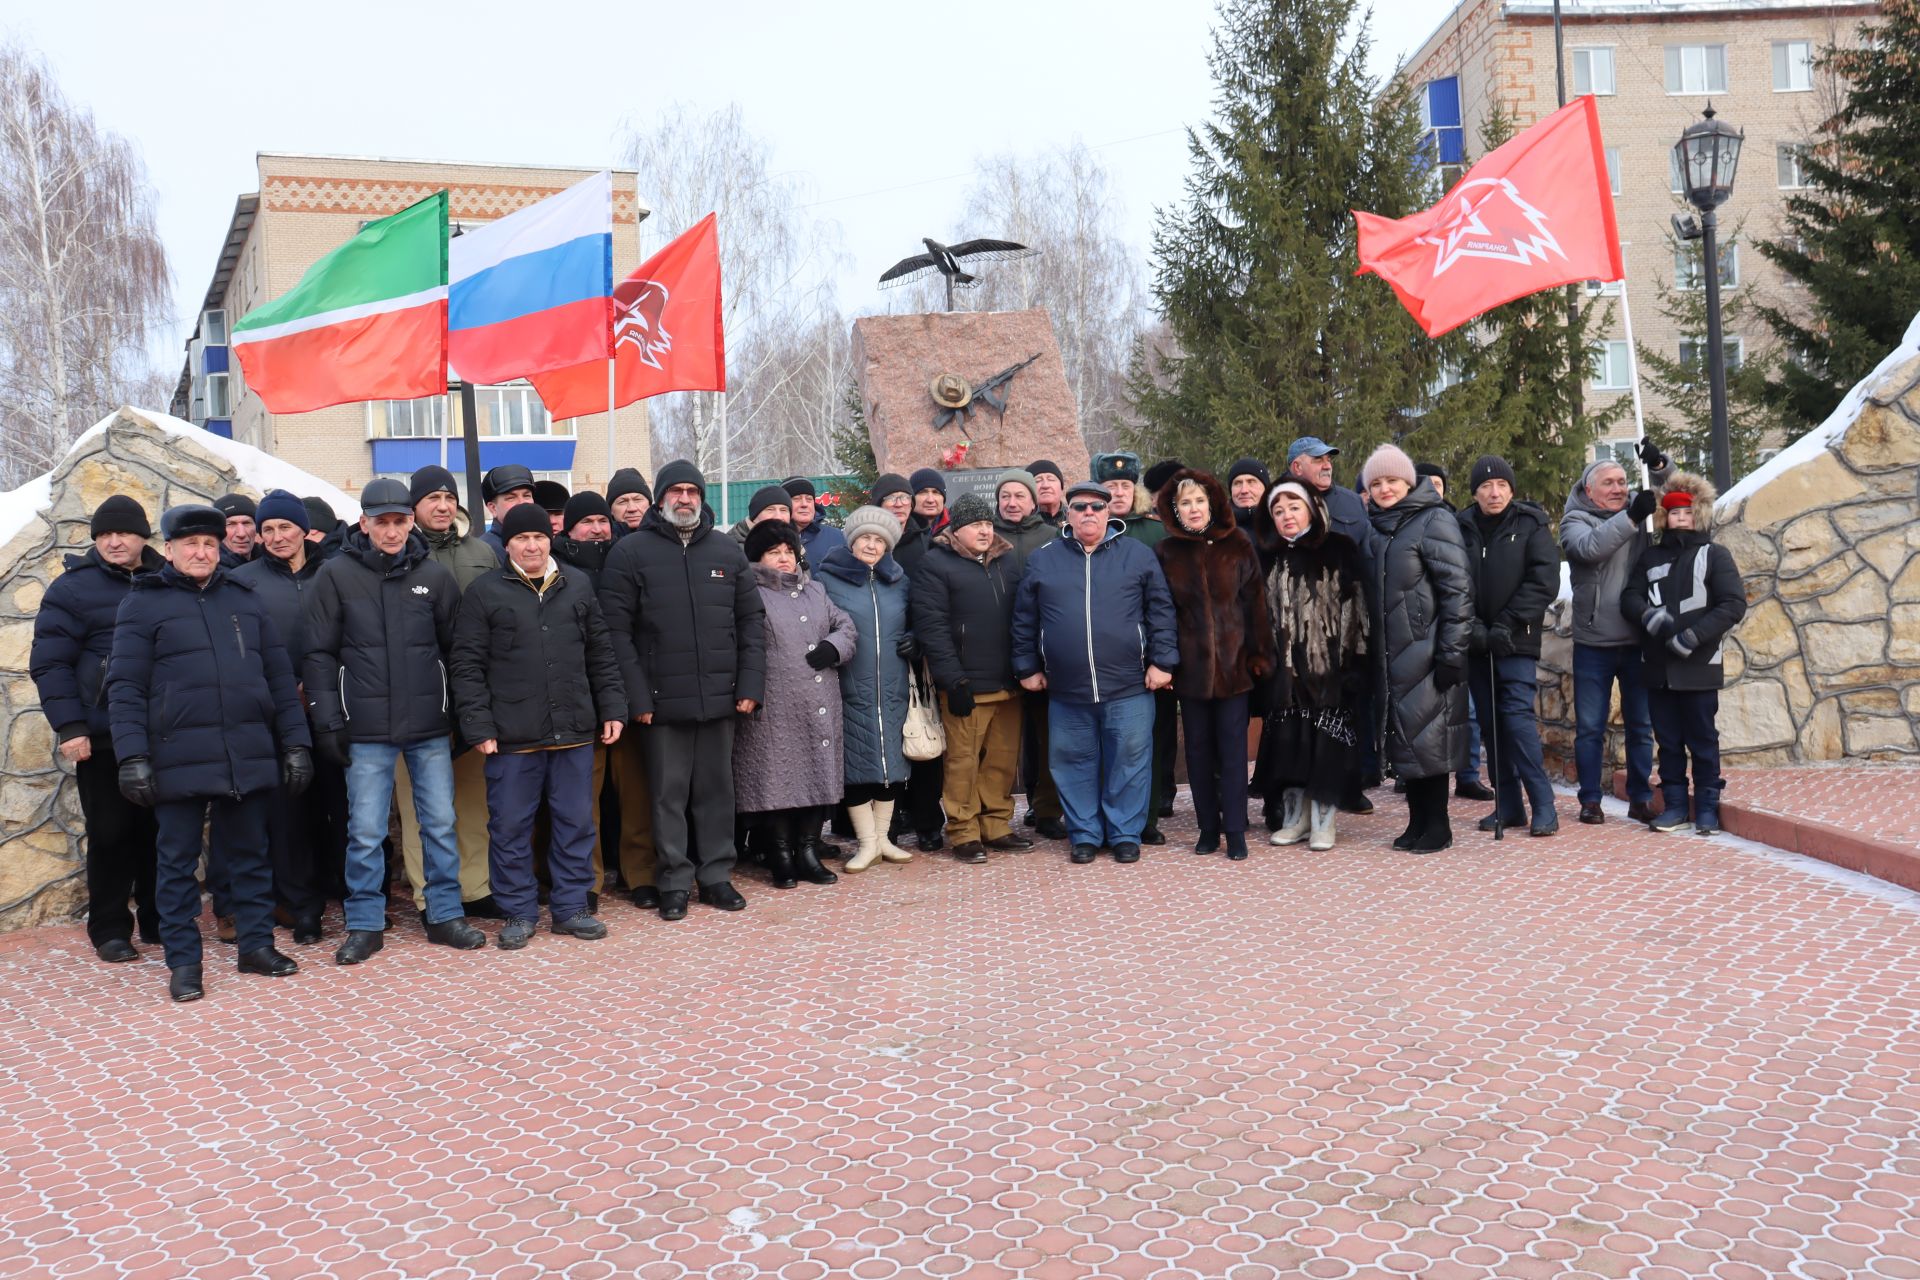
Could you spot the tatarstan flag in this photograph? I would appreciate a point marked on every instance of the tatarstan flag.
(366, 322)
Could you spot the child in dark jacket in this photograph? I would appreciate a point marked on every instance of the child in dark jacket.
(1685, 595)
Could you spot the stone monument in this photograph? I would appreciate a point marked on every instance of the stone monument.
(966, 391)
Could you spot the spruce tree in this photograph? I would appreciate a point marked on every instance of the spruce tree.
(1517, 386)
(1268, 334)
(1684, 426)
(853, 450)
(1852, 239)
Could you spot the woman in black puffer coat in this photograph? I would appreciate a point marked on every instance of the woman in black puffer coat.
(1422, 601)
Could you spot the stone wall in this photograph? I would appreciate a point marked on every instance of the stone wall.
(162, 462)
(1826, 664)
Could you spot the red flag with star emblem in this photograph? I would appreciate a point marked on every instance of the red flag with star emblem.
(666, 332)
(1533, 214)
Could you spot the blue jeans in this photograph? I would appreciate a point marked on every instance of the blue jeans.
(1517, 740)
(1101, 754)
(369, 800)
(516, 784)
(1595, 668)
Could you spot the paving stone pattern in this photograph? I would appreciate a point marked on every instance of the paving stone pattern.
(1606, 1054)
(1881, 802)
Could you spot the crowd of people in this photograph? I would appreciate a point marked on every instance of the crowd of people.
(599, 693)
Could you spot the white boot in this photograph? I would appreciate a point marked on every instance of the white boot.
(1293, 818)
(861, 815)
(1322, 826)
(882, 824)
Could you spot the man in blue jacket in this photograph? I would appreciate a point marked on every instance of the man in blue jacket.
(72, 638)
(205, 716)
(1093, 626)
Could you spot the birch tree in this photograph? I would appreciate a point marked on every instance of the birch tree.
(84, 281)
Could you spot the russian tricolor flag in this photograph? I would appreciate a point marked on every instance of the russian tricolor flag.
(534, 291)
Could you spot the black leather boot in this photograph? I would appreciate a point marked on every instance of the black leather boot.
(268, 962)
(806, 850)
(776, 850)
(183, 984)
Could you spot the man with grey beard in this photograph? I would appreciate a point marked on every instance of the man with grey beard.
(689, 630)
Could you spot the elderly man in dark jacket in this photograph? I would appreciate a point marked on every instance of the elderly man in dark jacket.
(536, 685)
(689, 629)
(817, 537)
(1093, 625)
(1516, 574)
(72, 639)
(963, 614)
(205, 716)
(305, 838)
(379, 624)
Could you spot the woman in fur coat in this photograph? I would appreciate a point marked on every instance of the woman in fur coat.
(1226, 648)
(1317, 612)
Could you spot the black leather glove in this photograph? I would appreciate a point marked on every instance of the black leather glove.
(908, 647)
(1657, 622)
(1500, 642)
(333, 747)
(296, 770)
(1447, 675)
(1477, 637)
(960, 699)
(1642, 505)
(136, 781)
(822, 656)
(1650, 454)
(1683, 645)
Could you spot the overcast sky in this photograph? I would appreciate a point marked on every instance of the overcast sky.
(879, 108)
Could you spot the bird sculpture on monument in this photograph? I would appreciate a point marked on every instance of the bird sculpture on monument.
(948, 260)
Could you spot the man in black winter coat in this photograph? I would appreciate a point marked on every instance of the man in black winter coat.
(536, 685)
(1684, 595)
(690, 632)
(72, 639)
(379, 624)
(205, 716)
(307, 833)
(1516, 574)
(240, 544)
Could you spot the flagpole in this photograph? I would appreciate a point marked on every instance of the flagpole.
(610, 421)
(471, 433)
(726, 469)
(1633, 366)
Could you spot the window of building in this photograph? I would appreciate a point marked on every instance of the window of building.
(1604, 288)
(213, 327)
(1693, 353)
(512, 411)
(1593, 70)
(1696, 68)
(1792, 66)
(1613, 169)
(407, 419)
(1687, 272)
(1786, 159)
(1440, 117)
(219, 396)
(1610, 368)
(1624, 452)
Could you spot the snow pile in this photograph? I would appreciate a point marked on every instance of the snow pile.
(18, 506)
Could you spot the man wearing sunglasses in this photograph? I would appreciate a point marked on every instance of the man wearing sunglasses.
(1093, 626)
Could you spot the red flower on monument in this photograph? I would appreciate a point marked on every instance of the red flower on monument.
(953, 457)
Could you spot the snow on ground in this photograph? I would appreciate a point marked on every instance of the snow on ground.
(18, 506)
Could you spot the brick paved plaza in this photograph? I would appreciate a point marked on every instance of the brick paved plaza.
(1605, 1054)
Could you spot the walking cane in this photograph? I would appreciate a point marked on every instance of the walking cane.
(1493, 747)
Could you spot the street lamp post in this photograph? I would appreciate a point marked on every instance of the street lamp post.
(1708, 155)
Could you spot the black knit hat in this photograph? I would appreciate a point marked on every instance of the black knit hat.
(279, 504)
(193, 518)
(526, 517)
(680, 471)
(1490, 466)
(797, 485)
(320, 514)
(1046, 467)
(888, 484)
(625, 481)
(431, 479)
(580, 506)
(969, 508)
(1160, 472)
(768, 495)
(1423, 470)
(1249, 467)
(550, 496)
(234, 504)
(769, 534)
(927, 478)
(121, 514)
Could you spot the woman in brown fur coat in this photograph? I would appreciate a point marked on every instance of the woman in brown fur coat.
(1317, 606)
(1226, 647)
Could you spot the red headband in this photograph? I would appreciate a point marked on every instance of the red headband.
(1678, 498)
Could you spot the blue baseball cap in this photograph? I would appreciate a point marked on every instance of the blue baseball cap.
(1310, 447)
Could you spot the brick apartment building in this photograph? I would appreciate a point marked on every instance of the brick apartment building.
(306, 206)
(1652, 65)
